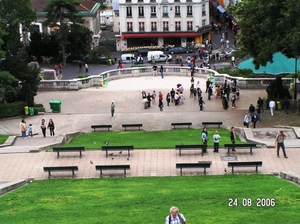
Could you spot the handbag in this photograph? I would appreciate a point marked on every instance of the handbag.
(245, 123)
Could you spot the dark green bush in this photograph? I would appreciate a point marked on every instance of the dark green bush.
(12, 109)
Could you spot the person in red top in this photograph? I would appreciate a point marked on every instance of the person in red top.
(160, 101)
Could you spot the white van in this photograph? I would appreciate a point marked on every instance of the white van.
(128, 58)
(158, 56)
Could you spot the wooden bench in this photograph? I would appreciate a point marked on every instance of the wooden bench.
(245, 164)
(132, 126)
(117, 148)
(291, 176)
(240, 146)
(60, 168)
(187, 147)
(108, 126)
(68, 149)
(182, 124)
(112, 167)
(200, 164)
(206, 123)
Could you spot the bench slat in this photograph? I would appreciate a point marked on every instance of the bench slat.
(117, 148)
(108, 126)
(205, 123)
(240, 146)
(68, 149)
(255, 164)
(187, 147)
(132, 125)
(112, 167)
(200, 164)
(60, 168)
(182, 124)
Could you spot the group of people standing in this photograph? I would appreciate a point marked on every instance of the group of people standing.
(43, 127)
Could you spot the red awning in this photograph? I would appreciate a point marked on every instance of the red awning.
(159, 35)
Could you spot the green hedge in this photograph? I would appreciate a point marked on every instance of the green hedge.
(12, 109)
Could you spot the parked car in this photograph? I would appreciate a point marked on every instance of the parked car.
(143, 51)
(229, 53)
(180, 50)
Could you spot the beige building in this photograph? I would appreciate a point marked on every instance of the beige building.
(162, 22)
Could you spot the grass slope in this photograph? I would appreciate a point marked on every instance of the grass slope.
(144, 200)
(149, 139)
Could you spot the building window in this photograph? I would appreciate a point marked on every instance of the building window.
(129, 27)
(165, 26)
(128, 11)
(203, 10)
(189, 26)
(165, 11)
(189, 10)
(153, 11)
(177, 10)
(153, 26)
(128, 1)
(140, 0)
(141, 26)
(141, 11)
(177, 26)
(203, 22)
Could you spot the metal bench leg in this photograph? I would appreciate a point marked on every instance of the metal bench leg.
(106, 153)
(232, 170)
(205, 170)
(251, 151)
(57, 154)
(49, 174)
(73, 173)
(80, 154)
(180, 171)
(180, 152)
(100, 172)
(256, 169)
(128, 152)
(124, 172)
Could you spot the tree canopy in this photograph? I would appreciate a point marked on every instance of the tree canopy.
(267, 27)
(16, 14)
(62, 11)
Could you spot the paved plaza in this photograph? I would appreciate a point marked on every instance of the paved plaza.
(83, 108)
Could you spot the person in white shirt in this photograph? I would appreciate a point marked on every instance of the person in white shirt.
(175, 217)
(272, 107)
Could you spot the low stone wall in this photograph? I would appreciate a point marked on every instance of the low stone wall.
(98, 80)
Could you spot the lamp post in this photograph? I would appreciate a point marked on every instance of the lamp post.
(295, 81)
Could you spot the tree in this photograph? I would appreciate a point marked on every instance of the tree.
(267, 27)
(62, 11)
(16, 14)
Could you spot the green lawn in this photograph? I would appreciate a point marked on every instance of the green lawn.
(3, 138)
(145, 200)
(149, 139)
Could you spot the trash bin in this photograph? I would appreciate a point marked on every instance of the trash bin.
(105, 83)
(278, 105)
(102, 83)
(26, 110)
(55, 105)
(31, 111)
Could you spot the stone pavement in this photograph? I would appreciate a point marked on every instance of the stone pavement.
(81, 109)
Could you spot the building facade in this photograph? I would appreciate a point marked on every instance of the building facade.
(145, 23)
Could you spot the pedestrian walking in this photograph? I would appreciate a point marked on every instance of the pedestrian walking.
(233, 99)
(112, 109)
(204, 137)
(272, 106)
(168, 99)
(216, 138)
(279, 143)
(232, 137)
(23, 129)
(43, 127)
(30, 130)
(161, 70)
(86, 68)
(175, 217)
(247, 120)
(51, 127)
(260, 102)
